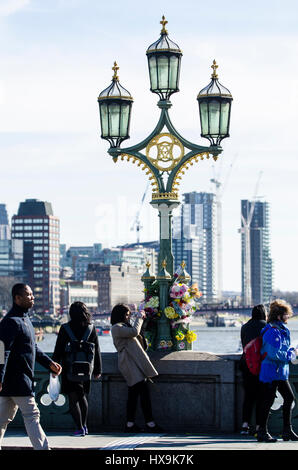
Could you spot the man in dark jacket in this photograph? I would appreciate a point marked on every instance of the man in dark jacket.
(249, 331)
(17, 371)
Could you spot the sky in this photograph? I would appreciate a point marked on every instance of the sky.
(56, 56)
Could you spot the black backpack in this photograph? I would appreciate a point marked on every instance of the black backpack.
(79, 356)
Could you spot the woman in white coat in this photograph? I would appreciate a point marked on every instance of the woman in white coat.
(134, 364)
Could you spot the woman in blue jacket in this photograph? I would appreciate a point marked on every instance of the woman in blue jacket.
(274, 372)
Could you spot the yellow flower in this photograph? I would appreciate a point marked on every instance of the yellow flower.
(191, 336)
(179, 336)
(170, 313)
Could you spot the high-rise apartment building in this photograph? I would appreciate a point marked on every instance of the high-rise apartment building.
(11, 259)
(39, 229)
(255, 253)
(4, 223)
(195, 241)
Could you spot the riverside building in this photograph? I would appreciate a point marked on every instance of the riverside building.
(38, 228)
(255, 253)
(195, 241)
(116, 284)
(4, 223)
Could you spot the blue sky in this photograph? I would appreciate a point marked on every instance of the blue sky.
(55, 58)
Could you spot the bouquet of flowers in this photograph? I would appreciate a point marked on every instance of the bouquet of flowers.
(182, 304)
(150, 305)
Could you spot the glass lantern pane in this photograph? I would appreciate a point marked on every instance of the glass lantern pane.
(163, 72)
(214, 115)
(204, 117)
(224, 118)
(153, 72)
(114, 119)
(104, 119)
(173, 81)
(124, 120)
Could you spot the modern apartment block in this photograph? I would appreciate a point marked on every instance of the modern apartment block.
(39, 229)
(255, 253)
(195, 241)
(11, 259)
(4, 223)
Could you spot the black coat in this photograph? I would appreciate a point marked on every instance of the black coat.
(59, 356)
(21, 352)
(250, 330)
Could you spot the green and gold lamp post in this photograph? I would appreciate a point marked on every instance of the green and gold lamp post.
(164, 155)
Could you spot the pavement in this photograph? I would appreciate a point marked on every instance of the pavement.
(156, 443)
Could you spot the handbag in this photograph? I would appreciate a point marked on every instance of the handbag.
(54, 387)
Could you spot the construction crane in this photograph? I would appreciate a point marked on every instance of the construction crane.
(219, 190)
(245, 230)
(137, 223)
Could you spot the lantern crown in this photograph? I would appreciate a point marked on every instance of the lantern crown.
(164, 43)
(115, 90)
(214, 87)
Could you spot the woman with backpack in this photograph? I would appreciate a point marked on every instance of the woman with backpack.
(251, 384)
(78, 329)
(134, 364)
(274, 372)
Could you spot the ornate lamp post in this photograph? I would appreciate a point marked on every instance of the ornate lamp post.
(164, 155)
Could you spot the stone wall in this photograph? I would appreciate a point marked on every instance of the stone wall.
(194, 392)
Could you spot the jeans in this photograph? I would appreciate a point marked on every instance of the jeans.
(8, 409)
(141, 390)
(268, 393)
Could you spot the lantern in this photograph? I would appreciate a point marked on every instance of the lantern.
(215, 108)
(164, 57)
(115, 108)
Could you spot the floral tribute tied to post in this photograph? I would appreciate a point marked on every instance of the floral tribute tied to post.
(151, 307)
(183, 302)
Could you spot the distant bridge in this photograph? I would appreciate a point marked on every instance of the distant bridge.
(205, 310)
(213, 309)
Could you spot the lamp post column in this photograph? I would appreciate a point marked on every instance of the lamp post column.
(163, 337)
(165, 209)
(165, 269)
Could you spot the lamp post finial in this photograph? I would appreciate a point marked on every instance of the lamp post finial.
(214, 66)
(115, 68)
(163, 22)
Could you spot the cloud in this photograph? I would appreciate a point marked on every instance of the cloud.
(9, 7)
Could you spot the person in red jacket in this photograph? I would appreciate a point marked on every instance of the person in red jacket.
(251, 384)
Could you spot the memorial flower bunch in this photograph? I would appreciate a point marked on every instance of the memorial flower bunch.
(183, 302)
(150, 304)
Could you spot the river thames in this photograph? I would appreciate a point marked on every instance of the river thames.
(217, 340)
